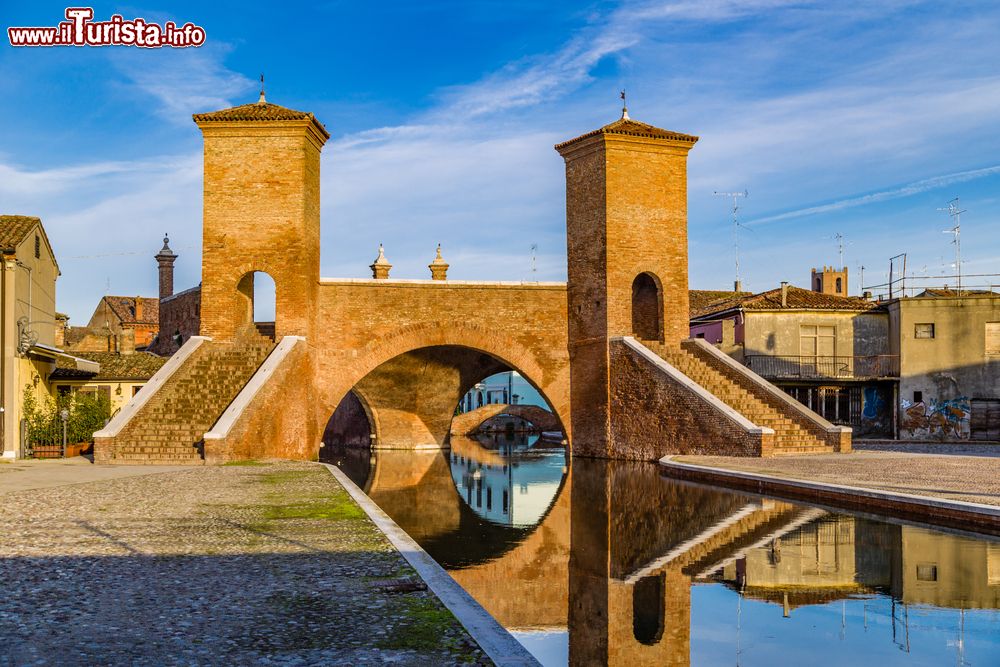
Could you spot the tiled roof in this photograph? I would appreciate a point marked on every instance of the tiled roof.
(257, 112)
(633, 128)
(13, 229)
(937, 292)
(701, 299)
(124, 308)
(138, 366)
(797, 299)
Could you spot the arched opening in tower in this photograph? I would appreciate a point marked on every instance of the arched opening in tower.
(646, 308)
(259, 295)
(647, 609)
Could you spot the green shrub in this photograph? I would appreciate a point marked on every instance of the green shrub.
(88, 412)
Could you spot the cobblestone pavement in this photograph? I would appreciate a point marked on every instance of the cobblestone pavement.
(266, 564)
(939, 474)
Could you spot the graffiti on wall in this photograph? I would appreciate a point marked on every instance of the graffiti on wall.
(939, 420)
(876, 419)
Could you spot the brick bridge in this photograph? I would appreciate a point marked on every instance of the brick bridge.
(470, 422)
(393, 357)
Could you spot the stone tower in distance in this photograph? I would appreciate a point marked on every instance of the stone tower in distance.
(261, 213)
(626, 231)
(830, 281)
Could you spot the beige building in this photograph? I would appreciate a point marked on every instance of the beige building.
(27, 321)
(830, 352)
(949, 350)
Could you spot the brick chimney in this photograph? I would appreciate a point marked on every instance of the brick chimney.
(165, 259)
(138, 309)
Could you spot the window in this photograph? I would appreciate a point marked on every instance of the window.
(817, 341)
(918, 397)
(38, 247)
(925, 330)
(993, 338)
(926, 572)
(699, 335)
(840, 285)
(136, 388)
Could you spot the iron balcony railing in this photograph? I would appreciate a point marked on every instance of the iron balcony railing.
(871, 366)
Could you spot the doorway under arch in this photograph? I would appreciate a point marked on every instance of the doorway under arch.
(260, 302)
(647, 307)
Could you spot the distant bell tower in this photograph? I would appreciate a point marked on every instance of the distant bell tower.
(627, 251)
(165, 259)
(830, 281)
(261, 213)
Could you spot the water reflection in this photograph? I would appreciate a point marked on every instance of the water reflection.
(507, 478)
(622, 566)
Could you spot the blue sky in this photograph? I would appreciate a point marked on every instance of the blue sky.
(858, 118)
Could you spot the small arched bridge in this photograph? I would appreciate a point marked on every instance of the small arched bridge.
(471, 421)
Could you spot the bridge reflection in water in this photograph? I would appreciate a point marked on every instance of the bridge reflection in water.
(610, 563)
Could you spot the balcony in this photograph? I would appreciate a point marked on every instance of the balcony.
(820, 368)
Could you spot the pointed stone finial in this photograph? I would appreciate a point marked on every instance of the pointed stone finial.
(439, 267)
(380, 267)
(165, 251)
(624, 107)
(261, 101)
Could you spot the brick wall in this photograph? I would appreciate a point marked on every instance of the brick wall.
(180, 314)
(261, 213)
(652, 415)
(276, 424)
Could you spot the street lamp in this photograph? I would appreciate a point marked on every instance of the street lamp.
(64, 413)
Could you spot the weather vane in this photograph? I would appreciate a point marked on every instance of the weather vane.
(624, 106)
(262, 100)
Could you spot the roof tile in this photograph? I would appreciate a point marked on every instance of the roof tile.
(13, 229)
(633, 128)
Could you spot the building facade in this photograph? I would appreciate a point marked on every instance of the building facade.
(119, 377)
(949, 350)
(830, 352)
(28, 322)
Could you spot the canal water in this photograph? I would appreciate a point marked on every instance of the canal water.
(610, 562)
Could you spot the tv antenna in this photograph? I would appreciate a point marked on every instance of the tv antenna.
(737, 284)
(840, 247)
(956, 211)
(534, 268)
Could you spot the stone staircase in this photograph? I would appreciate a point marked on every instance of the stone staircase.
(169, 428)
(794, 433)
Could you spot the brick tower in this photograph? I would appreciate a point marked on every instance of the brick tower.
(261, 213)
(626, 230)
(830, 281)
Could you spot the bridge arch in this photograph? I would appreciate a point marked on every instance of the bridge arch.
(469, 422)
(473, 352)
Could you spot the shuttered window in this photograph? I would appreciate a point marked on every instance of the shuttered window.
(993, 338)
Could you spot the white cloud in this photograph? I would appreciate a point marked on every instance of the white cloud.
(908, 190)
(184, 81)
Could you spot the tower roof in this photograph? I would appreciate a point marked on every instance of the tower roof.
(258, 112)
(633, 128)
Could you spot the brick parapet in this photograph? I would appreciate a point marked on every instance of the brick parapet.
(656, 410)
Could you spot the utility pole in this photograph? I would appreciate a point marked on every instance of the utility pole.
(955, 211)
(737, 284)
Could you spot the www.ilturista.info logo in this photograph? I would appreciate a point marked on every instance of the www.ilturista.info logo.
(81, 30)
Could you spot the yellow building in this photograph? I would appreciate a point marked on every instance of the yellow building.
(27, 322)
(119, 377)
